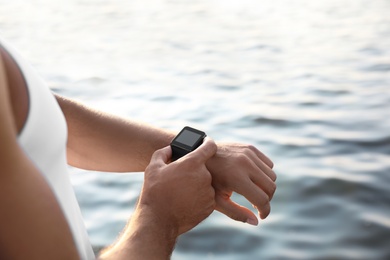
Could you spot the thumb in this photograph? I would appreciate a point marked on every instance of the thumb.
(235, 211)
(161, 156)
(205, 151)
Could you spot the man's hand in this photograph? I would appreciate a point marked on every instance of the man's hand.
(175, 198)
(247, 171)
(181, 191)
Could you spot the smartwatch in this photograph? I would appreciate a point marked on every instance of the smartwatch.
(186, 141)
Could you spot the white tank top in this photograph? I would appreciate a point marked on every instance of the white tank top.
(43, 139)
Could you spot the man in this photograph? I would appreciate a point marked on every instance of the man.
(40, 133)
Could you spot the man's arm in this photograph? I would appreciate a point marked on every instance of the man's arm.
(175, 197)
(32, 225)
(105, 142)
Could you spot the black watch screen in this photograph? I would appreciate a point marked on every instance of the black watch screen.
(186, 141)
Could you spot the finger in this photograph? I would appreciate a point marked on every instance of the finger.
(235, 211)
(204, 152)
(264, 183)
(264, 167)
(262, 156)
(161, 156)
(264, 212)
(260, 177)
(257, 197)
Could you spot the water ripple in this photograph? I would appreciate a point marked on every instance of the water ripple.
(307, 82)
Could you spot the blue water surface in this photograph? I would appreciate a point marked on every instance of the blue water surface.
(307, 82)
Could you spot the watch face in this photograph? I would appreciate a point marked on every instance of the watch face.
(188, 138)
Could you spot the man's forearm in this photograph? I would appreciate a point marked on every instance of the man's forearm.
(104, 142)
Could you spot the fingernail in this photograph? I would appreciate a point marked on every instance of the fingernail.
(252, 221)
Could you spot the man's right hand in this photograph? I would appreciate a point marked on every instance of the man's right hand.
(179, 192)
(176, 196)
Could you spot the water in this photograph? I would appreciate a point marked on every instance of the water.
(307, 82)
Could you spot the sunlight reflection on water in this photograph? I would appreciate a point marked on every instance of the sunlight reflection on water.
(305, 81)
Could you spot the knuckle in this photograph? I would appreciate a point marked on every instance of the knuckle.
(242, 159)
(271, 165)
(272, 189)
(210, 146)
(248, 150)
(214, 147)
(157, 153)
(263, 200)
(266, 209)
(251, 147)
(151, 167)
(273, 176)
(253, 150)
(268, 162)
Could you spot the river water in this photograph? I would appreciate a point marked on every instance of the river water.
(307, 82)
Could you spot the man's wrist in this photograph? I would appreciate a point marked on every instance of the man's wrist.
(146, 217)
(150, 235)
(147, 236)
